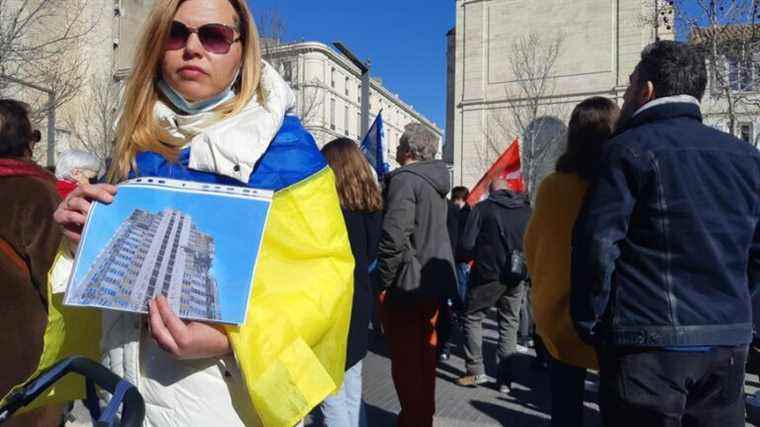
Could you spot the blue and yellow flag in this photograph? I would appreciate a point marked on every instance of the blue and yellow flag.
(292, 347)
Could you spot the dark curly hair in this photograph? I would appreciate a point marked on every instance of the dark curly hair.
(674, 68)
(16, 132)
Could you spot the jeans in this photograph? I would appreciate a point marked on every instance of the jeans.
(567, 389)
(509, 318)
(345, 408)
(463, 282)
(658, 388)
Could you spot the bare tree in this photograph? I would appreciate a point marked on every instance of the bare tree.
(728, 34)
(40, 42)
(93, 124)
(658, 16)
(310, 94)
(272, 28)
(532, 114)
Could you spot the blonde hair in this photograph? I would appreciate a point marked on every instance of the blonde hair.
(357, 187)
(138, 130)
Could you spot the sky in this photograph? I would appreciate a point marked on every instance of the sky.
(405, 40)
(225, 221)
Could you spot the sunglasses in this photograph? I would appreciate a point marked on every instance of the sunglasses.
(215, 38)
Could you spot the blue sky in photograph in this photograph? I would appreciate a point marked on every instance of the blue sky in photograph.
(231, 221)
(405, 40)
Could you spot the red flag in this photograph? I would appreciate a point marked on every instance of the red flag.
(507, 166)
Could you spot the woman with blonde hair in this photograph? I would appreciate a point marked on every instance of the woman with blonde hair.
(201, 105)
(547, 250)
(362, 206)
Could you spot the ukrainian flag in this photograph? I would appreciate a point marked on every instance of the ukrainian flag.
(292, 347)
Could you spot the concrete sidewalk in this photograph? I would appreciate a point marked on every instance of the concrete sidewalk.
(528, 404)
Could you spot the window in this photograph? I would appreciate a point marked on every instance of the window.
(359, 94)
(346, 90)
(359, 125)
(345, 118)
(741, 73)
(332, 114)
(287, 71)
(332, 78)
(745, 132)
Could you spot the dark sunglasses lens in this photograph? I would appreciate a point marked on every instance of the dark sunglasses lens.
(216, 38)
(177, 36)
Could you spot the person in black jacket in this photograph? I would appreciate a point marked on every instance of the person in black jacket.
(666, 252)
(362, 206)
(459, 197)
(447, 322)
(495, 227)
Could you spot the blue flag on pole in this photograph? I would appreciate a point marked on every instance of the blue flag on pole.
(375, 147)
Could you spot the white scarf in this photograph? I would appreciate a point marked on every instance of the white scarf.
(231, 146)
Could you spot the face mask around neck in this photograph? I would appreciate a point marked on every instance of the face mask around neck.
(187, 107)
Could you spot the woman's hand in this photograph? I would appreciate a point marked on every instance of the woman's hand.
(72, 212)
(184, 340)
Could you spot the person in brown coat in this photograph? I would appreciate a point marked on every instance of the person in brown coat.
(29, 240)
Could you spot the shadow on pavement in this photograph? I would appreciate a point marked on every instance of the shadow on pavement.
(377, 345)
(377, 417)
(508, 417)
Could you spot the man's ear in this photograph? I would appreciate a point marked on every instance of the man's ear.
(647, 92)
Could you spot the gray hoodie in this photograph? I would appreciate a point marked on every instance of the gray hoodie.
(414, 255)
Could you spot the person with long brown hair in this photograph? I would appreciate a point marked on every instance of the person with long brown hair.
(202, 106)
(547, 249)
(362, 206)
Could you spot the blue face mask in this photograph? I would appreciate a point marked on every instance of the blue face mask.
(191, 108)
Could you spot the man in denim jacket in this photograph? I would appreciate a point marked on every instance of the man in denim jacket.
(666, 253)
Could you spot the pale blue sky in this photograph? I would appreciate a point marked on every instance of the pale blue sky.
(406, 41)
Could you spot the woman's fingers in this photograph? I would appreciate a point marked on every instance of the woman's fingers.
(77, 204)
(99, 192)
(72, 212)
(173, 323)
(159, 331)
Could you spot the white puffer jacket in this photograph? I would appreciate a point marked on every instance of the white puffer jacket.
(198, 392)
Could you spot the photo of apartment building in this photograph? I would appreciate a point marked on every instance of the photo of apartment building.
(153, 254)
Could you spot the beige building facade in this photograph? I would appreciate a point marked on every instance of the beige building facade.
(601, 42)
(99, 60)
(328, 92)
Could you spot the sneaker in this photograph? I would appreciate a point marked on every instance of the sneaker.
(444, 356)
(522, 349)
(472, 380)
(503, 388)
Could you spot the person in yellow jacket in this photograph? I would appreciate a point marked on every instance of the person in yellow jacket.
(547, 250)
(201, 105)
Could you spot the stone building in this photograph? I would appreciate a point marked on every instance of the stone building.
(732, 99)
(601, 42)
(151, 255)
(328, 91)
(98, 61)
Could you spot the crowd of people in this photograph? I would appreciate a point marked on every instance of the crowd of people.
(638, 258)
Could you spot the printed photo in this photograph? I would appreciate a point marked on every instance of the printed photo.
(196, 244)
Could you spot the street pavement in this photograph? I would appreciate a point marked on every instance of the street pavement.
(528, 404)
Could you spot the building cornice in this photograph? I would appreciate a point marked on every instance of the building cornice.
(318, 47)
